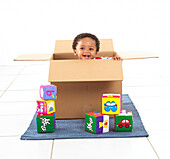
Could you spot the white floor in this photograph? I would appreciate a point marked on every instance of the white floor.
(146, 81)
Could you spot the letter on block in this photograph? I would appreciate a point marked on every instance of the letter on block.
(96, 123)
(111, 104)
(45, 106)
(48, 92)
(45, 123)
(124, 121)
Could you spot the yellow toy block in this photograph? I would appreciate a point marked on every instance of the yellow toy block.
(45, 106)
(111, 104)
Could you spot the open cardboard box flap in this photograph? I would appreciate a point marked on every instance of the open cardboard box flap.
(136, 54)
(63, 50)
(33, 57)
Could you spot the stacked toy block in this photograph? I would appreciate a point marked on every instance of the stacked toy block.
(96, 122)
(46, 109)
(46, 123)
(111, 104)
(48, 92)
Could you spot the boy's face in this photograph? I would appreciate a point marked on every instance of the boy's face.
(86, 48)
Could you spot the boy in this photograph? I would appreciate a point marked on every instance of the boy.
(86, 46)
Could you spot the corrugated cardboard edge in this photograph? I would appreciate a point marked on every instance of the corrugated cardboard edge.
(33, 57)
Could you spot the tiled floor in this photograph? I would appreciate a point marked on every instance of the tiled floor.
(146, 81)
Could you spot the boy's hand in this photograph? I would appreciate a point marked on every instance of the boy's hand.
(116, 58)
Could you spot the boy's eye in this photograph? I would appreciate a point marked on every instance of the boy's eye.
(90, 48)
(82, 48)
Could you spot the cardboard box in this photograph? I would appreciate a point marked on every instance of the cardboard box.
(81, 83)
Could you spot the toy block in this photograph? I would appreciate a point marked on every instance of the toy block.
(103, 57)
(48, 92)
(96, 122)
(124, 121)
(45, 123)
(45, 106)
(111, 104)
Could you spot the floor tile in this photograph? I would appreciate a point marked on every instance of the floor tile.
(10, 69)
(24, 85)
(1, 93)
(16, 108)
(32, 77)
(132, 148)
(6, 80)
(14, 125)
(13, 147)
(28, 82)
(36, 69)
(151, 103)
(155, 120)
(160, 141)
(148, 91)
(20, 96)
(144, 81)
(143, 67)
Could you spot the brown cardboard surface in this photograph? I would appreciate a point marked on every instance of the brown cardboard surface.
(85, 70)
(77, 98)
(81, 83)
(33, 57)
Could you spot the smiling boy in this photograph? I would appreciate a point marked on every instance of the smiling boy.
(86, 46)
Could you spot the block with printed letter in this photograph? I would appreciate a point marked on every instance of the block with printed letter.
(96, 122)
(45, 106)
(124, 121)
(111, 104)
(45, 123)
(48, 92)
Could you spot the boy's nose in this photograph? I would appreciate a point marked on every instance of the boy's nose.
(86, 50)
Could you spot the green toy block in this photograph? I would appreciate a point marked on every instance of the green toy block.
(96, 122)
(124, 121)
(45, 123)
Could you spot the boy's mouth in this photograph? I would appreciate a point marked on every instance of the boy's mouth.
(87, 56)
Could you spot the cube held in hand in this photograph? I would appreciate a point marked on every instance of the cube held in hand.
(48, 92)
(96, 122)
(111, 104)
(124, 121)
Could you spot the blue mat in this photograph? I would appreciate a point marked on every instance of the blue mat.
(74, 128)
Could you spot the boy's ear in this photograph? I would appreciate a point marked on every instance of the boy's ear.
(75, 52)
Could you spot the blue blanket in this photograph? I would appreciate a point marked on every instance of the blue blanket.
(74, 128)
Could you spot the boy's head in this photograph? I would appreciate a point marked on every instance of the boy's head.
(86, 46)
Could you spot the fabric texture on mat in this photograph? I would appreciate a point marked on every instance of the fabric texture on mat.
(74, 128)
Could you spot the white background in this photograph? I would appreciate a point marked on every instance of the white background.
(32, 26)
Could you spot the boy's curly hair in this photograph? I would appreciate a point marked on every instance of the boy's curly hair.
(84, 35)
